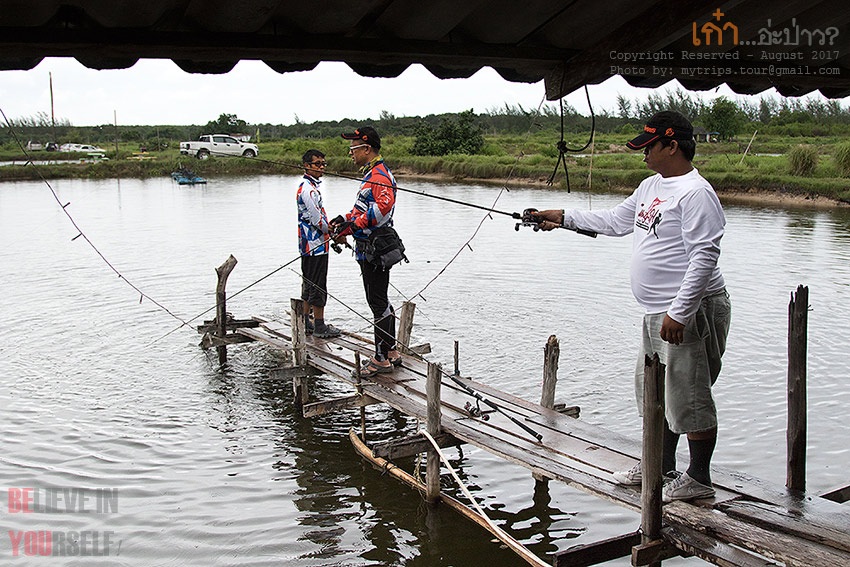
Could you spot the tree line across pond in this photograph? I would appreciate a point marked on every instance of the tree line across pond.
(464, 132)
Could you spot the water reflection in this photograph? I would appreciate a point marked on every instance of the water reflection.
(215, 467)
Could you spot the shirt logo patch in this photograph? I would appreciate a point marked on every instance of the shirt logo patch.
(650, 217)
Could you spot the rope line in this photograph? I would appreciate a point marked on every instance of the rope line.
(562, 144)
(187, 322)
(80, 232)
(502, 534)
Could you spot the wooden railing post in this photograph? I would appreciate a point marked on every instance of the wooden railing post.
(653, 433)
(405, 327)
(798, 313)
(434, 415)
(222, 272)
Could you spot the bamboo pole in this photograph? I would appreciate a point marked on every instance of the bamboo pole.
(798, 310)
(397, 473)
(653, 433)
(432, 470)
(748, 147)
(222, 272)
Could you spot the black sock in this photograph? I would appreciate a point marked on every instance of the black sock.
(701, 451)
(668, 452)
(319, 323)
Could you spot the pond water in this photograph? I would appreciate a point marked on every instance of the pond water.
(105, 397)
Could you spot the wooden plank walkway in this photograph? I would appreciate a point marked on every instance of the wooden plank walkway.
(780, 526)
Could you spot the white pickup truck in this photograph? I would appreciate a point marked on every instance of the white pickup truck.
(218, 145)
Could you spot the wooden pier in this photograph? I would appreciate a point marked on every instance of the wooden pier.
(748, 523)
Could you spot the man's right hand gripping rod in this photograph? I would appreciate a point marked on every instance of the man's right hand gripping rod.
(532, 218)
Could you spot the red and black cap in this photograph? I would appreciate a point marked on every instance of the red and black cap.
(665, 124)
(366, 134)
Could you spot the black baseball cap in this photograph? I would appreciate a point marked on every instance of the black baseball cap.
(365, 133)
(665, 124)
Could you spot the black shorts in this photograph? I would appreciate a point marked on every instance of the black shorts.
(314, 284)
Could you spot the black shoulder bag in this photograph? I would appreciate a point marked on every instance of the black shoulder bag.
(384, 248)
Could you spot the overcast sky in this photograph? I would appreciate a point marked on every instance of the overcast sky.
(158, 92)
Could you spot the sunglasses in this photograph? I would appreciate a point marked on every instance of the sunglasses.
(318, 163)
(352, 148)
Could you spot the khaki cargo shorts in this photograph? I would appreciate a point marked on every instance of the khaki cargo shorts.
(691, 367)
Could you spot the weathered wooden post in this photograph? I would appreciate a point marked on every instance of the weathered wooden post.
(360, 392)
(299, 351)
(299, 332)
(405, 327)
(653, 433)
(222, 272)
(457, 358)
(798, 313)
(551, 354)
(434, 415)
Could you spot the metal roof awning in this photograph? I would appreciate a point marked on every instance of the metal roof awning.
(751, 45)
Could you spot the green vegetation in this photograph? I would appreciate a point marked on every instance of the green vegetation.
(508, 145)
(841, 158)
(454, 135)
(802, 160)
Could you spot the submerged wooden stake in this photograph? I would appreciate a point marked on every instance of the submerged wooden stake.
(221, 305)
(798, 314)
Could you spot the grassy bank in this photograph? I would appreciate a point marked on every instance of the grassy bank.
(611, 167)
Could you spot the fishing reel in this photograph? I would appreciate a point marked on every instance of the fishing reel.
(530, 218)
(477, 412)
(533, 225)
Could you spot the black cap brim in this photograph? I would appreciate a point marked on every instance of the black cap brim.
(641, 141)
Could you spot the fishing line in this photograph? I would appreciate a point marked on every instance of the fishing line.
(80, 232)
(513, 215)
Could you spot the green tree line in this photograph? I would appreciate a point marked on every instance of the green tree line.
(438, 134)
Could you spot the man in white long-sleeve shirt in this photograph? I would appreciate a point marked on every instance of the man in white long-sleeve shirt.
(677, 222)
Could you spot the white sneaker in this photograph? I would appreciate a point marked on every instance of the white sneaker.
(631, 477)
(686, 488)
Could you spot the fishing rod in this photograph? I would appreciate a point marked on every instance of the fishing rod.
(479, 398)
(525, 218)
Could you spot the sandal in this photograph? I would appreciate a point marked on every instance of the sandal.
(370, 369)
(397, 361)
